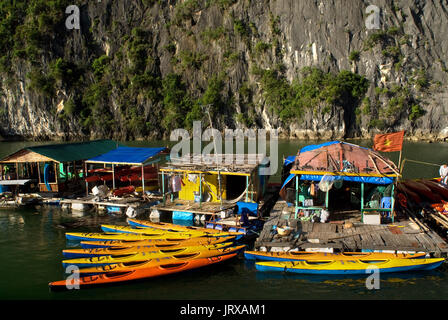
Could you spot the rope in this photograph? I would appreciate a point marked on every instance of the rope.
(422, 162)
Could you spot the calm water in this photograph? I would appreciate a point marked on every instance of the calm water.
(31, 243)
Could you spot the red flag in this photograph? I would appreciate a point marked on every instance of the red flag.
(388, 142)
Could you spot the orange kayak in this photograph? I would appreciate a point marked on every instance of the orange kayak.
(127, 266)
(113, 277)
(161, 243)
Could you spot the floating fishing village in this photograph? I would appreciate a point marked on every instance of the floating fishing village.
(339, 209)
(193, 150)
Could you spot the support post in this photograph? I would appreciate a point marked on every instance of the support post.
(200, 190)
(297, 197)
(247, 188)
(113, 176)
(163, 188)
(38, 173)
(143, 179)
(85, 177)
(362, 202)
(392, 213)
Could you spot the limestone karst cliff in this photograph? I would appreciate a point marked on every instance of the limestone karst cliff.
(137, 69)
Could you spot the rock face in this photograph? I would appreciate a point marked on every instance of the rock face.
(138, 69)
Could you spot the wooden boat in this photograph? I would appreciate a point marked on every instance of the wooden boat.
(421, 189)
(308, 256)
(139, 256)
(95, 252)
(171, 226)
(127, 266)
(79, 236)
(155, 242)
(160, 270)
(409, 193)
(437, 188)
(349, 266)
(139, 230)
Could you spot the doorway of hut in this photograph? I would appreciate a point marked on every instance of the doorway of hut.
(235, 186)
(345, 196)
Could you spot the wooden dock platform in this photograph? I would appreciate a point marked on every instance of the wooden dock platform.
(338, 236)
(205, 208)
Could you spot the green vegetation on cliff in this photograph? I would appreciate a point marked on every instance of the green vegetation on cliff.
(144, 69)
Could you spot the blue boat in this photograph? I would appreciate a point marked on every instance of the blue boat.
(350, 266)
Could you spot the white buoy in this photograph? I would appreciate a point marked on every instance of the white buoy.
(155, 214)
(131, 212)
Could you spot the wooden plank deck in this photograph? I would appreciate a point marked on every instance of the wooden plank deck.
(403, 236)
(206, 208)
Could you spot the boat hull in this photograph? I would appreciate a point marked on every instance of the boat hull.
(307, 256)
(97, 252)
(146, 230)
(139, 256)
(155, 242)
(171, 226)
(124, 267)
(349, 267)
(114, 277)
(75, 236)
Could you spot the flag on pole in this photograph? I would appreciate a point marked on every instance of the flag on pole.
(390, 142)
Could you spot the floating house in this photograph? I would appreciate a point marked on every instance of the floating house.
(127, 169)
(338, 176)
(192, 185)
(50, 168)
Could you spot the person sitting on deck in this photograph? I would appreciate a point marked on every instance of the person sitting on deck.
(245, 217)
(444, 173)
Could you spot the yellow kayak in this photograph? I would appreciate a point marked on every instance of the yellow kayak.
(303, 255)
(78, 236)
(96, 252)
(127, 266)
(140, 230)
(349, 266)
(155, 242)
(139, 256)
(172, 226)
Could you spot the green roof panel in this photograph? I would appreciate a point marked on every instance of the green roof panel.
(75, 151)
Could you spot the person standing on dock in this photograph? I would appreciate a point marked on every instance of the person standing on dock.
(444, 173)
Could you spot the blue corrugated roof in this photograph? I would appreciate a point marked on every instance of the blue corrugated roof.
(128, 155)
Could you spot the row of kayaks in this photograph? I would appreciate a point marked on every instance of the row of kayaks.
(146, 249)
(144, 230)
(340, 263)
(142, 250)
